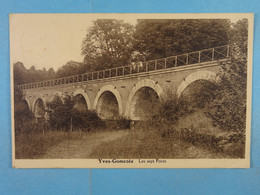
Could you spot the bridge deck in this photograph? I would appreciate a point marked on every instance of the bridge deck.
(197, 57)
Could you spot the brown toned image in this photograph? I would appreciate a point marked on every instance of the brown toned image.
(131, 90)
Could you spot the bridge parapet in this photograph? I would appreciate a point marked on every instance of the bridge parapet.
(197, 57)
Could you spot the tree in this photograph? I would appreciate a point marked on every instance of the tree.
(63, 114)
(51, 73)
(159, 38)
(108, 44)
(228, 109)
(23, 75)
(69, 69)
(59, 112)
(19, 73)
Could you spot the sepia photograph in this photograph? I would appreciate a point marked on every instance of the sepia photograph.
(131, 90)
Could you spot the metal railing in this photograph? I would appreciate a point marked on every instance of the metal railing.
(206, 55)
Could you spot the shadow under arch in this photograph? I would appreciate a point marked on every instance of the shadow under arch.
(199, 75)
(112, 90)
(148, 83)
(39, 106)
(85, 95)
(27, 102)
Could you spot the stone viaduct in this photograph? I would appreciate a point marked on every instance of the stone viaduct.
(121, 87)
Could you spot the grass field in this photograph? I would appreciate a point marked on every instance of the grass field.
(169, 142)
(61, 144)
(31, 145)
(199, 140)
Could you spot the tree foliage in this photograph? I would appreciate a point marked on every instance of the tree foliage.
(228, 109)
(69, 69)
(108, 44)
(59, 112)
(159, 38)
(62, 114)
(23, 75)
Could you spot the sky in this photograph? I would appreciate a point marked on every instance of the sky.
(51, 40)
(48, 40)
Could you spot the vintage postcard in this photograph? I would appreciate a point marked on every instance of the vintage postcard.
(131, 90)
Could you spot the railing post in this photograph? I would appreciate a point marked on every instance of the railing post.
(165, 63)
(146, 66)
(175, 58)
(103, 73)
(130, 69)
(123, 71)
(116, 71)
(228, 48)
(187, 59)
(109, 72)
(199, 56)
(155, 65)
(138, 69)
(213, 54)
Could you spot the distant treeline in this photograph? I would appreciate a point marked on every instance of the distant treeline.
(113, 43)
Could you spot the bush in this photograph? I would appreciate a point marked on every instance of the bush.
(123, 123)
(230, 145)
(167, 112)
(86, 120)
(62, 114)
(228, 109)
(59, 112)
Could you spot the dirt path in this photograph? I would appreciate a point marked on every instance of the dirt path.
(82, 148)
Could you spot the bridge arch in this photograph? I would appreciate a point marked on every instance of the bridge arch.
(39, 106)
(145, 83)
(113, 92)
(85, 95)
(199, 75)
(27, 102)
(24, 106)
